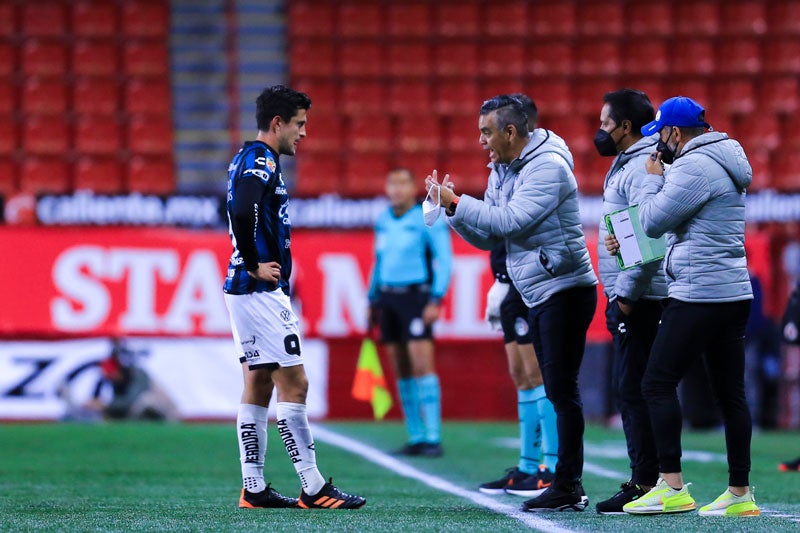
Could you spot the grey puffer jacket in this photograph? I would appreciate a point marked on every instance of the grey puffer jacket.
(699, 205)
(531, 205)
(624, 179)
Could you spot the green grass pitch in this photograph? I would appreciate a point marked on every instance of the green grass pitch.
(185, 477)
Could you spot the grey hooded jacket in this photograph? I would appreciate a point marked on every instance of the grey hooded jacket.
(531, 205)
(625, 177)
(699, 205)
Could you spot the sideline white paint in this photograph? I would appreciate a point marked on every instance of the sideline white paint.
(378, 457)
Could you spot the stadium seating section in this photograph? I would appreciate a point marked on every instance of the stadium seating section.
(400, 83)
(85, 100)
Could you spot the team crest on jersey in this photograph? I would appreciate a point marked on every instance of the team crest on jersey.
(271, 164)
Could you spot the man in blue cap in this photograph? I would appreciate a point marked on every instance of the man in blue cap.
(698, 204)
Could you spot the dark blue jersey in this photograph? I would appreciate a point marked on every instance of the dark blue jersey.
(258, 222)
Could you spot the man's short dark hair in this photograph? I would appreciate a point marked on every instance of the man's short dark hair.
(529, 106)
(280, 101)
(630, 104)
(509, 111)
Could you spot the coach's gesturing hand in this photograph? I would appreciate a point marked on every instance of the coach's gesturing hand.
(270, 272)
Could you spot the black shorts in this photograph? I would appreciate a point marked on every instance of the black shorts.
(401, 314)
(514, 318)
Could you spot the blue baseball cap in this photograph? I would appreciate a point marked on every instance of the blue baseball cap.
(678, 111)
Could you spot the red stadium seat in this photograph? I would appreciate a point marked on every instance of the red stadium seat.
(43, 58)
(324, 133)
(510, 21)
(43, 19)
(150, 134)
(44, 96)
(324, 93)
(600, 19)
(148, 96)
(313, 58)
(457, 97)
(97, 135)
(692, 56)
(467, 171)
(420, 165)
(786, 171)
(696, 89)
(742, 18)
(410, 96)
(8, 135)
(45, 175)
(409, 59)
(490, 87)
(779, 94)
(151, 175)
(762, 173)
(95, 95)
(408, 19)
(100, 175)
(782, 56)
(363, 97)
(95, 57)
(360, 19)
(646, 56)
(365, 175)
(371, 133)
(361, 58)
(455, 18)
(418, 133)
(739, 56)
(697, 17)
(598, 58)
(8, 177)
(94, 19)
(310, 18)
(578, 130)
(461, 133)
(145, 58)
(735, 97)
(593, 175)
(145, 19)
(654, 88)
(758, 132)
(791, 134)
(8, 97)
(588, 97)
(7, 19)
(648, 19)
(499, 59)
(783, 18)
(552, 19)
(316, 176)
(456, 59)
(8, 63)
(550, 58)
(45, 135)
(553, 97)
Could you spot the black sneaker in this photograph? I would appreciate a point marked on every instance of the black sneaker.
(329, 497)
(533, 485)
(790, 466)
(432, 449)
(411, 449)
(627, 493)
(512, 477)
(268, 498)
(556, 499)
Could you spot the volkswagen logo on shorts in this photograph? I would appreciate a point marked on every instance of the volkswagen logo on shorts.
(286, 315)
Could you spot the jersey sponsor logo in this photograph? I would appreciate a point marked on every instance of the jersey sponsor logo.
(261, 161)
(271, 164)
(283, 213)
(287, 243)
(286, 315)
(236, 261)
(256, 172)
(280, 190)
(251, 340)
(251, 354)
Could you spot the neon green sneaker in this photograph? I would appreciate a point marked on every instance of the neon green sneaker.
(662, 499)
(728, 504)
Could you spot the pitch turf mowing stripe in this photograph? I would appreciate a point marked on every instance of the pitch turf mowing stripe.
(390, 463)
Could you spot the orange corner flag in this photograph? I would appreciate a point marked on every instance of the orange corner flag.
(369, 384)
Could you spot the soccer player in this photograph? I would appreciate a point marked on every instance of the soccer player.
(265, 329)
(409, 279)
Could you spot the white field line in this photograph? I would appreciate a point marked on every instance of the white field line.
(388, 462)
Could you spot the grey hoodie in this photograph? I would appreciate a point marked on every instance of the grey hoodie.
(531, 205)
(699, 205)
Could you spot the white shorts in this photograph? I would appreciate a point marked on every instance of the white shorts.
(265, 329)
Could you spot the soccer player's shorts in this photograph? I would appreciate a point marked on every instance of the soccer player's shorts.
(514, 318)
(401, 313)
(265, 330)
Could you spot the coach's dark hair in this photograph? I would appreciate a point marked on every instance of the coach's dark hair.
(280, 101)
(630, 104)
(509, 111)
(529, 106)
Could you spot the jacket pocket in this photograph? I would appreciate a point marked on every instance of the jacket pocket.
(667, 266)
(550, 262)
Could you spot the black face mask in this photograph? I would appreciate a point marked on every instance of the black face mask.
(605, 144)
(667, 154)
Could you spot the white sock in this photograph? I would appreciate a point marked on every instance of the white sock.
(296, 435)
(251, 429)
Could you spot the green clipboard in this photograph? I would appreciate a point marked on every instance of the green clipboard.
(635, 247)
